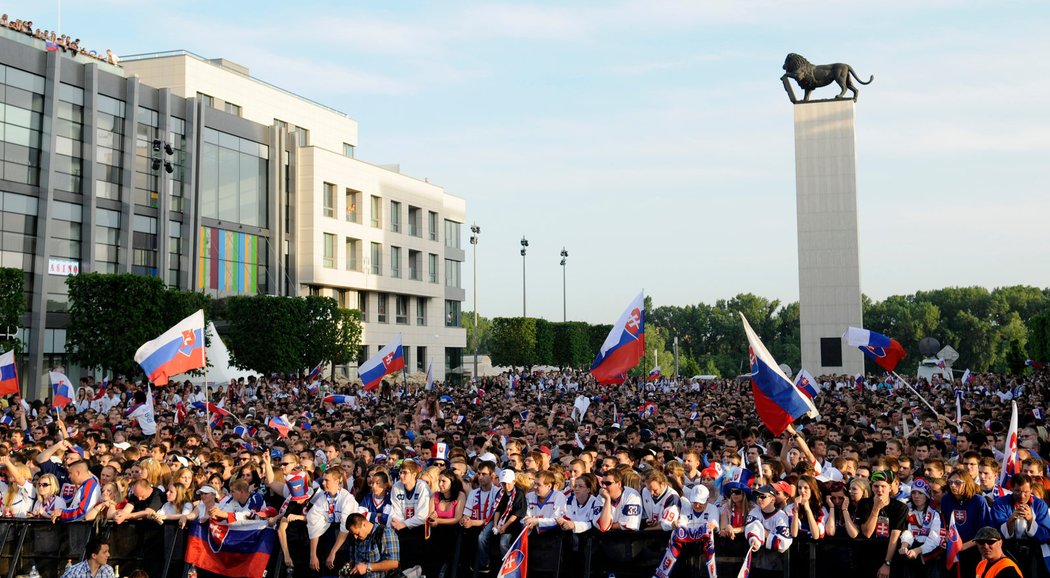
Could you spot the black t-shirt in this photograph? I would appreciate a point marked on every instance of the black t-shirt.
(893, 517)
(154, 502)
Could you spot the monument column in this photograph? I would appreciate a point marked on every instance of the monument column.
(828, 249)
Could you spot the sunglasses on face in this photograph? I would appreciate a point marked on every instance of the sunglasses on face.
(607, 483)
(736, 492)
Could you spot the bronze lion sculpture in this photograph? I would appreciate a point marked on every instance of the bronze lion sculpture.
(810, 77)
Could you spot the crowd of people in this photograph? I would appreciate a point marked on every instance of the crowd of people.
(365, 483)
(55, 41)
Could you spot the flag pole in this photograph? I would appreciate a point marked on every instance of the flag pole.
(923, 400)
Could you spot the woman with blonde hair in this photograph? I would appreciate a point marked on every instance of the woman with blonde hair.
(19, 497)
(47, 499)
(112, 502)
(153, 472)
(178, 506)
(675, 472)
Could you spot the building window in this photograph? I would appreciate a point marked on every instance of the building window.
(302, 136)
(342, 297)
(415, 265)
(362, 305)
(329, 200)
(234, 174)
(415, 221)
(329, 251)
(352, 198)
(377, 259)
(452, 273)
(281, 125)
(233, 109)
(432, 225)
(452, 234)
(381, 307)
(352, 246)
(376, 212)
(395, 262)
(348, 150)
(421, 359)
(451, 313)
(433, 267)
(421, 311)
(401, 308)
(395, 216)
(207, 99)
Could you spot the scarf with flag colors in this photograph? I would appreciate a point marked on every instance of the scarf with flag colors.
(8, 374)
(61, 389)
(777, 400)
(885, 352)
(241, 550)
(390, 359)
(177, 350)
(516, 562)
(624, 346)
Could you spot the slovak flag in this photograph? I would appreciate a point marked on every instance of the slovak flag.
(315, 373)
(1011, 465)
(885, 352)
(941, 364)
(953, 543)
(624, 347)
(177, 350)
(339, 399)
(210, 407)
(806, 384)
(1035, 364)
(62, 390)
(654, 374)
(516, 562)
(102, 387)
(430, 376)
(244, 431)
(8, 374)
(859, 380)
(390, 359)
(745, 568)
(281, 424)
(777, 400)
(967, 377)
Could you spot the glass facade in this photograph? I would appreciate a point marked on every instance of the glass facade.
(18, 239)
(452, 234)
(234, 179)
(69, 137)
(147, 180)
(21, 125)
(109, 147)
(107, 240)
(63, 246)
(144, 245)
(452, 278)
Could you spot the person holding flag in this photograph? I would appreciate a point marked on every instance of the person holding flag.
(177, 350)
(390, 359)
(964, 506)
(8, 374)
(777, 400)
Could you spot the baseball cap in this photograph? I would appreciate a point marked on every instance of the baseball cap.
(207, 490)
(765, 489)
(507, 476)
(785, 487)
(488, 457)
(699, 494)
(987, 534)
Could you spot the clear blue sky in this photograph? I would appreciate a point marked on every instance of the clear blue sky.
(652, 139)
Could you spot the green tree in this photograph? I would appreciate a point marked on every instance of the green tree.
(544, 342)
(514, 341)
(571, 346)
(348, 337)
(12, 306)
(265, 333)
(484, 332)
(111, 316)
(1039, 337)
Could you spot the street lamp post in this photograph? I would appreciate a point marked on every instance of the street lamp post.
(564, 298)
(524, 245)
(476, 232)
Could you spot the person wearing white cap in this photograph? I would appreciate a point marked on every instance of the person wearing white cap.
(696, 511)
(506, 518)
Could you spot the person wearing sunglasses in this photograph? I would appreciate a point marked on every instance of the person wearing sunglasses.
(971, 512)
(623, 505)
(768, 532)
(994, 563)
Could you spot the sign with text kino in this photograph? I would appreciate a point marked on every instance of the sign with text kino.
(63, 267)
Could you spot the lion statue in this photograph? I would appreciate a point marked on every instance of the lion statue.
(810, 77)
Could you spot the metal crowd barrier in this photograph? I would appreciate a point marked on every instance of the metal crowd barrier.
(159, 550)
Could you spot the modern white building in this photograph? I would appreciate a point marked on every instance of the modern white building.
(374, 239)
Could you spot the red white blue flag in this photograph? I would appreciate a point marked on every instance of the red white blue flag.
(61, 389)
(806, 384)
(516, 562)
(777, 400)
(281, 425)
(315, 373)
(624, 347)
(177, 350)
(8, 374)
(885, 352)
(953, 543)
(1035, 364)
(745, 568)
(654, 374)
(967, 377)
(1011, 465)
(339, 399)
(241, 551)
(390, 359)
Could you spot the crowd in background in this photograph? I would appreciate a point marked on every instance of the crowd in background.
(551, 451)
(55, 41)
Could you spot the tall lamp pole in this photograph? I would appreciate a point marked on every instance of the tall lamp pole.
(475, 233)
(564, 299)
(524, 245)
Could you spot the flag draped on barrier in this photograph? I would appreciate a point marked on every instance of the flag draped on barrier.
(679, 538)
(236, 551)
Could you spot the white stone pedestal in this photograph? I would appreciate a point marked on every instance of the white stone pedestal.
(828, 254)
